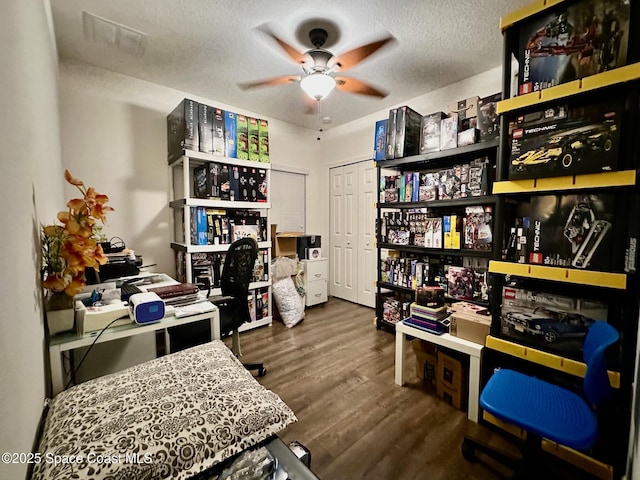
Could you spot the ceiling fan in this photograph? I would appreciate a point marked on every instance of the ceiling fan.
(321, 65)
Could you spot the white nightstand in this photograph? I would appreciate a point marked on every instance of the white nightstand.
(315, 281)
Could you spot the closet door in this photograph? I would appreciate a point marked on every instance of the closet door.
(366, 219)
(343, 257)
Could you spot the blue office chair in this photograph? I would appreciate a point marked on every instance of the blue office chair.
(545, 410)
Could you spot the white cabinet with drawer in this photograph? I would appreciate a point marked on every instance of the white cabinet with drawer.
(315, 281)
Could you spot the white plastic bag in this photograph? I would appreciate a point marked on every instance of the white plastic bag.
(288, 301)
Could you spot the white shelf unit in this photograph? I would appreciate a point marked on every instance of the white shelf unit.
(181, 186)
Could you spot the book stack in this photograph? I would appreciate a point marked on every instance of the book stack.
(431, 319)
(178, 295)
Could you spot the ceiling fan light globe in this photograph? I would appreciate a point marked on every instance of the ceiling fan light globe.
(318, 85)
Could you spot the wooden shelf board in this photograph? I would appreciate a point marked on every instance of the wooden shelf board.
(593, 82)
(525, 12)
(560, 274)
(566, 365)
(622, 178)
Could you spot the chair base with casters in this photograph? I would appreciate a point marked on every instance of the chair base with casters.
(228, 310)
(546, 410)
(233, 304)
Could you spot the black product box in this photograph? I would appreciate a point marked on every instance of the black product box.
(391, 134)
(553, 323)
(242, 137)
(306, 242)
(466, 111)
(182, 129)
(430, 132)
(380, 140)
(407, 132)
(206, 179)
(254, 140)
(205, 125)
(225, 183)
(244, 184)
(488, 118)
(572, 230)
(430, 296)
(571, 42)
(234, 183)
(263, 185)
(563, 141)
(253, 185)
(477, 226)
(218, 132)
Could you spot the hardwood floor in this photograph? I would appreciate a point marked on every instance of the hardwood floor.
(336, 372)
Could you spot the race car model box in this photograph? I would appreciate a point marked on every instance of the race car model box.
(584, 38)
(562, 140)
(572, 231)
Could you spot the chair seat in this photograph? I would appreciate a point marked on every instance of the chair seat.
(545, 409)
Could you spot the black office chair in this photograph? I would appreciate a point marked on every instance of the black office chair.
(233, 305)
(545, 410)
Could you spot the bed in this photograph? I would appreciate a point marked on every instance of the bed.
(177, 416)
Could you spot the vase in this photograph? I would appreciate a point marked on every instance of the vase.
(59, 312)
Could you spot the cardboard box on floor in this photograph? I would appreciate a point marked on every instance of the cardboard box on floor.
(426, 361)
(283, 243)
(453, 378)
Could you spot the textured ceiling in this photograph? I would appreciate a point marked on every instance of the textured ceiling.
(208, 47)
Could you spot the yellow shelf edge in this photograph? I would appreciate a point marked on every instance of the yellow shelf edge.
(507, 427)
(556, 362)
(579, 459)
(522, 13)
(560, 274)
(593, 82)
(623, 178)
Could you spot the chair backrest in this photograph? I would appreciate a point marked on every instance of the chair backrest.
(237, 271)
(600, 336)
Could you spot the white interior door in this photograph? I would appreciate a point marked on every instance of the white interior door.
(343, 258)
(366, 266)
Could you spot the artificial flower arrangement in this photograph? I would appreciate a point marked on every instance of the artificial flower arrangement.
(73, 245)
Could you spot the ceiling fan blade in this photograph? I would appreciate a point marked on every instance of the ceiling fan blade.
(352, 85)
(293, 54)
(270, 82)
(351, 58)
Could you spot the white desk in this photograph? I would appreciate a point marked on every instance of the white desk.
(65, 342)
(460, 345)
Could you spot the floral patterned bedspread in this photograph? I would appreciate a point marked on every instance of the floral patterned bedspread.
(171, 417)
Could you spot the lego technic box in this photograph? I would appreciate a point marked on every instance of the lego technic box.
(549, 322)
(584, 38)
(571, 231)
(563, 140)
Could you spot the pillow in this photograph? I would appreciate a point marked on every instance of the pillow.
(171, 417)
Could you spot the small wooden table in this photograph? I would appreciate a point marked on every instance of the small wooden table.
(458, 344)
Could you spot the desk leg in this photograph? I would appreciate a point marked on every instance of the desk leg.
(57, 370)
(474, 388)
(400, 354)
(215, 325)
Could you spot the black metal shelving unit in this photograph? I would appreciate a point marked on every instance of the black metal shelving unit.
(434, 161)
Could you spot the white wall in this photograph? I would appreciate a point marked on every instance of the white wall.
(30, 192)
(114, 137)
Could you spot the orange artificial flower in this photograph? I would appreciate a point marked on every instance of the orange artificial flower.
(69, 249)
